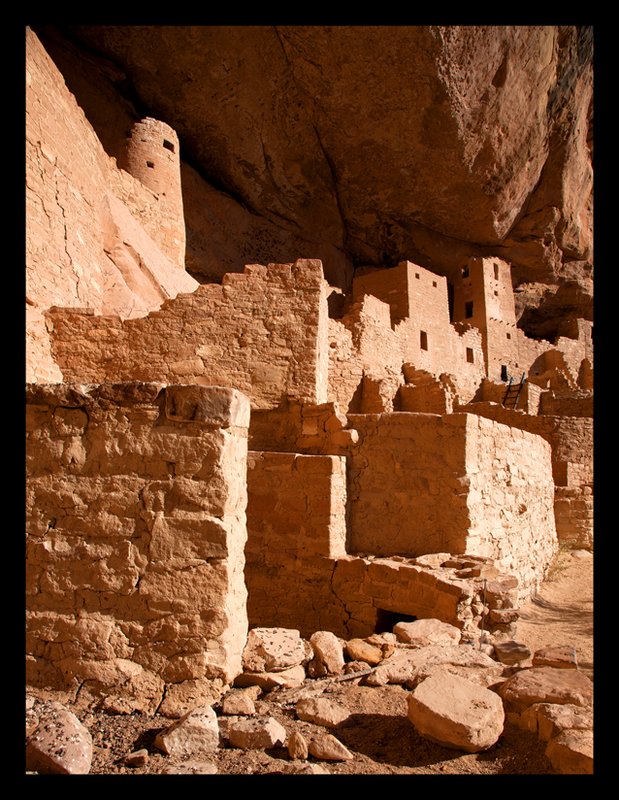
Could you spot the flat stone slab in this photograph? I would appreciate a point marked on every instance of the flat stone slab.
(321, 711)
(546, 685)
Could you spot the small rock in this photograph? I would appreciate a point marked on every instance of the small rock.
(328, 748)
(297, 746)
(256, 733)
(273, 650)
(328, 653)
(238, 704)
(360, 650)
(288, 679)
(456, 713)
(138, 758)
(561, 657)
(60, 744)
(321, 711)
(584, 554)
(571, 752)
(425, 632)
(550, 719)
(195, 732)
(511, 652)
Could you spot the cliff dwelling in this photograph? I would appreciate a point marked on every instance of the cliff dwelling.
(284, 443)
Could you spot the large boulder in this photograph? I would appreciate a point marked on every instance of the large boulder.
(456, 713)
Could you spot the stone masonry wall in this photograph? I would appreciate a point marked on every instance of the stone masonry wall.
(263, 332)
(510, 500)
(571, 442)
(136, 500)
(422, 483)
(299, 574)
(296, 525)
(408, 485)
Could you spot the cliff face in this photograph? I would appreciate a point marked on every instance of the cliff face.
(364, 145)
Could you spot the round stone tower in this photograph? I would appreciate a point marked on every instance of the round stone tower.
(153, 158)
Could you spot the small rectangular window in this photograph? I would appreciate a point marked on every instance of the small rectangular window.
(496, 272)
(469, 355)
(150, 164)
(417, 275)
(168, 145)
(434, 284)
(509, 336)
(423, 340)
(468, 309)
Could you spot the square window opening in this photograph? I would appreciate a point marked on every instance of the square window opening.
(469, 355)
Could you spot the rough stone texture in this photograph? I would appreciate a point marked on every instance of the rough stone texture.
(286, 678)
(549, 719)
(321, 711)
(195, 732)
(328, 653)
(60, 744)
(273, 650)
(181, 698)
(96, 236)
(360, 650)
(136, 528)
(571, 752)
(409, 667)
(511, 652)
(423, 483)
(427, 631)
(238, 704)
(256, 733)
(456, 713)
(561, 657)
(500, 116)
(223, 335)
(328, 748)
(546, 685)
(297, 746)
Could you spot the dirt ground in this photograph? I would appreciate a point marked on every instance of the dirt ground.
(378, 733)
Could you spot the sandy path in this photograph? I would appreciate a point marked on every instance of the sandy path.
(562, 612)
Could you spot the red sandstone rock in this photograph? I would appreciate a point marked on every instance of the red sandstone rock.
(464, 131)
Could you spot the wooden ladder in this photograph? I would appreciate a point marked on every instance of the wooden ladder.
(512, 393)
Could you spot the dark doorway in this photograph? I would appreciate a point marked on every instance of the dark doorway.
(385, 620)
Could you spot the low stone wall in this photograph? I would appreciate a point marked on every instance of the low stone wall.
(422, 483)
(263, 332)
(136, 499)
